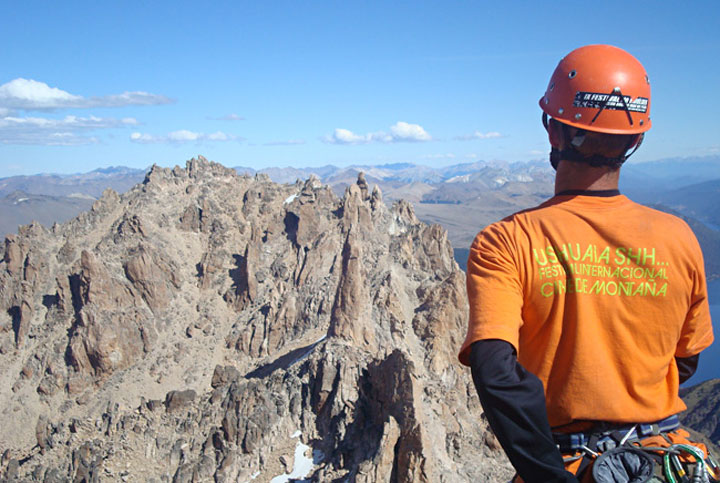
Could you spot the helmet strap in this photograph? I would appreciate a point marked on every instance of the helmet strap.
(637, 142)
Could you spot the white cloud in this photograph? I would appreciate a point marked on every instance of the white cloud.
(136, 98)
(228, 117)
(70, 130)
(47, 139)
(182, 136)
(218, 136)
(29, 94)
(141, 138)
(68, 122)
(344, 136)
(479, 135)
(399, 132)
(403, 131)
(21, 92)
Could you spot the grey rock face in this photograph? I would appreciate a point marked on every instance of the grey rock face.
(207, 326)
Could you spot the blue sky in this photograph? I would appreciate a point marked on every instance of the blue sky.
(295, 83)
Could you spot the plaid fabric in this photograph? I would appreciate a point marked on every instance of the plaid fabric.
(608, 436)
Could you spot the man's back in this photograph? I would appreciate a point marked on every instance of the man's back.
(599, 295)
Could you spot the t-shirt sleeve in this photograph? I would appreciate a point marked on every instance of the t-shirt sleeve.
(494, 290)
(697, 333)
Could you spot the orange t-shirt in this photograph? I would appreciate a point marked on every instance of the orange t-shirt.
(598, 295)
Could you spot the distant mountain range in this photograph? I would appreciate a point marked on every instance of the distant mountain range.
(463, 197)
(647, 180)
(91, 184)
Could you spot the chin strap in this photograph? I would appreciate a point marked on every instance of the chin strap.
(572, 154)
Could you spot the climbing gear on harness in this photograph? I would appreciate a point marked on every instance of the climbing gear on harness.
(608, 436)
(599, 88)
(623, 464)
(656, 452)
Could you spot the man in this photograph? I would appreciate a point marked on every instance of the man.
(588, 310)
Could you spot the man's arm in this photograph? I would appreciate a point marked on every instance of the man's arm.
(514, 402)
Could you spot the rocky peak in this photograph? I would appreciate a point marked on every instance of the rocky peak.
(206, 325)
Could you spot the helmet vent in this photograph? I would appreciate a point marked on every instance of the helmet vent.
(572, 74)
(578, 116)
(552, 86)
(561, 110)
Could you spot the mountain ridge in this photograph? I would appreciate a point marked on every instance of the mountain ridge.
(206, 325)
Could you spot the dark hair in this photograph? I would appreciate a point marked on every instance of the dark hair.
(595, 148)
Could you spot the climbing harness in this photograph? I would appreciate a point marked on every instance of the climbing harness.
(657, 452)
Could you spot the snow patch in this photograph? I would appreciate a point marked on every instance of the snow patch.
(500, 181)
(302, 466)
(253, 476)
(81, 196)
(20, 200)
(464, 178)
(296, 434)
(290, 199)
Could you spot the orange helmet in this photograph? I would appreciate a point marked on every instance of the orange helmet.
(599, 88)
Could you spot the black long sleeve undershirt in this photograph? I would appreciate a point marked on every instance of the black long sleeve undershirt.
(514, 402)
(687, 366)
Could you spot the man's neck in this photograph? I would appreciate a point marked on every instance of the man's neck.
(580, 176)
